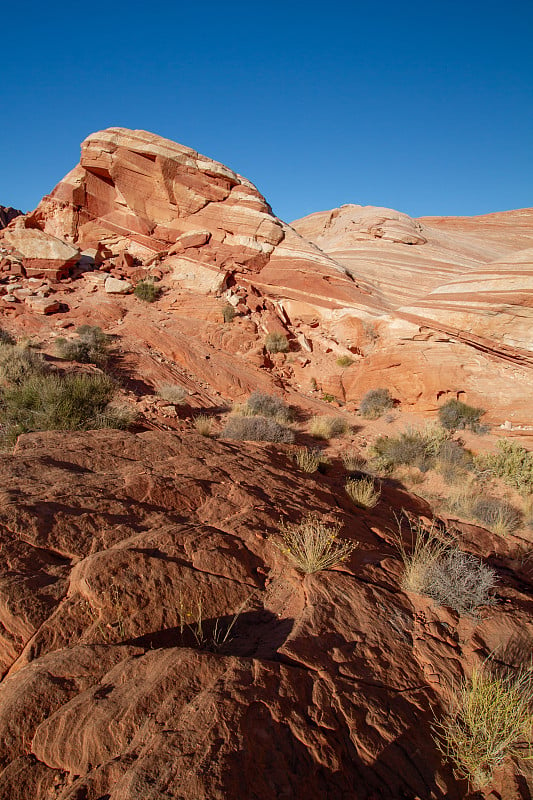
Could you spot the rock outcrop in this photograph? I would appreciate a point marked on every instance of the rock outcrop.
(7, 214)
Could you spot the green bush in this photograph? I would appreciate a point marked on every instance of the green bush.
(147, 290)
(344, 361)
(60, 402)
(91, 346)
(512, 463)
(256, 429)
(375, 402)
(455, 415)
(276, 342)
(18, 363)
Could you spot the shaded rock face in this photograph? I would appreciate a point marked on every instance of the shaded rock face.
(325, 686)
(7, 214)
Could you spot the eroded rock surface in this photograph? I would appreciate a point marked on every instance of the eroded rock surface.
(325, 685)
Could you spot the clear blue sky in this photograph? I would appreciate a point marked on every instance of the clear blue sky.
(424, 107)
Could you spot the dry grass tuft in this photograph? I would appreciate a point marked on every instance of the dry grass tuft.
(353, 461)
(256, 429)
(489, 722)
(203, 425)
(173, 393)
(327, 427)
(313, 545)
(375, 402)
(309, 459)
(363, 492)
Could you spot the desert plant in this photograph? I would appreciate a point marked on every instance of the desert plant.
(173, 393)
(499, 516)
(18, 363)
(344, 361)
(256, 429)
(191, 617)
(309, 459)
(327, 427)
(147, 290)
(203, 425)
(228, 313)
(91, 346)
(363, 492)
(512, 463)
(375, 402)
(6, 337)
(453, 461)
(313, 545)
(455, 415)
(489, 722)
(276, 342)
(267, 405)
(353, 461)
(435, 566)
(60, 402)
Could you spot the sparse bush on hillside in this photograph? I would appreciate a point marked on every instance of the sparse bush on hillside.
(18, 363)
(344, 361)
(375, 402)
(91, 346)
(455, 415)
(453, 461)
(228, 313)
(276, 342)
(267, 405)
(173, 393)
(256, 429)
(413, 447)
(436, 567)
(309, 459)
(489, 722)
(60, 402)
(147, 291)
(353, 461)
(203, 425)
(6, 338)
(327, 427)
(313, 545)
(512, 463)
(499, 516)
(363, 492)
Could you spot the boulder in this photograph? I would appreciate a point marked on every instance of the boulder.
(117, 286)
(43, 255)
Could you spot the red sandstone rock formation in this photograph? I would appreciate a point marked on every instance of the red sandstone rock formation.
(7, 213)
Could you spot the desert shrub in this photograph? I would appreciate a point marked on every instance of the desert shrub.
(309, 459)
(452, 461)
(91, 346)
(276, 342)
(344, 361)
(412, 447)
(363, 492)
(203, 425)
(455, 415)
(499, 516)
(18, 363)
(353, 461)
(313, 545)
(327, 427)
(60, 402)
(228, 313)
(147, 290)
(512, 463)
(488, 723)
(173, 393)
(267, 405)
(436, 567)
(375, 402)
(6, 337)
(256, 429)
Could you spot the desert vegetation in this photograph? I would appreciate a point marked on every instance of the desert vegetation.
(455, 415)
(363, 492)
(309, 459)
(147, 291)
(276, 342)
(512, 463)
(489, 721)
(256, 429)
(375, 402)
(313, 545)
(90, 346)
(267, 405)
(173, 393)
(228, 313)
(323, 427)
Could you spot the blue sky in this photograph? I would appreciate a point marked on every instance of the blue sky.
(424, 107)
